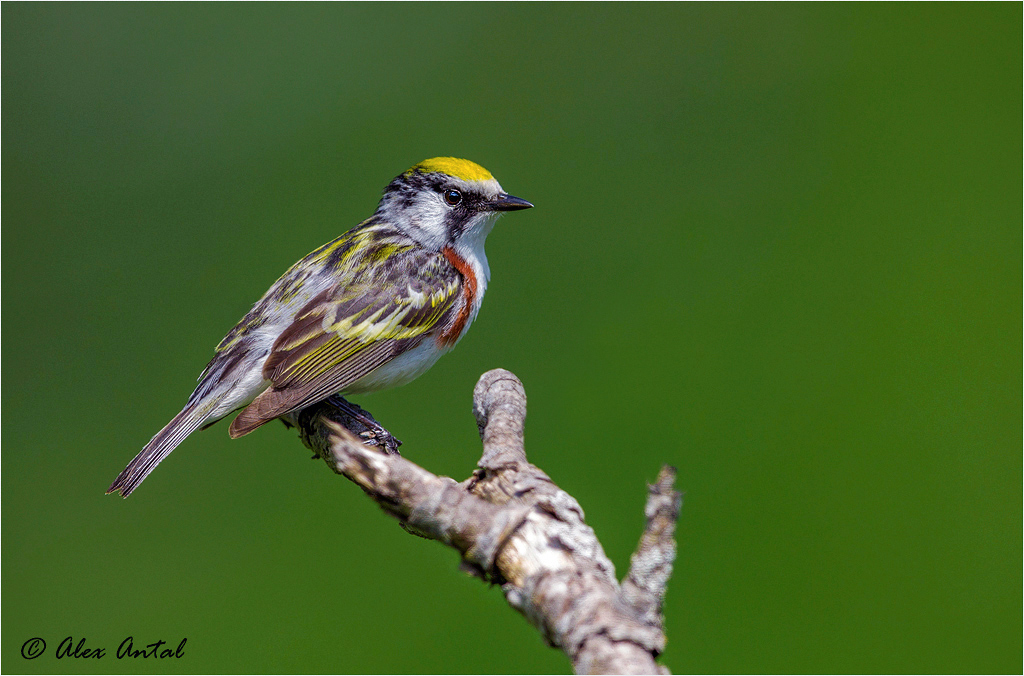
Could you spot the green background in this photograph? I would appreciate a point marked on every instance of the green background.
(778, 247)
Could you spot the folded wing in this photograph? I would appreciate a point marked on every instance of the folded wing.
(344, 333)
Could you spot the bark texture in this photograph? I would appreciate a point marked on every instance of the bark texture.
(513, 526)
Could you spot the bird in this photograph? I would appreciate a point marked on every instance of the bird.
(372, 309)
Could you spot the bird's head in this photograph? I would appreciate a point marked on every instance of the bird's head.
(445, 201)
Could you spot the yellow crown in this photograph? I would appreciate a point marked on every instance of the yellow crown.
(453, 166)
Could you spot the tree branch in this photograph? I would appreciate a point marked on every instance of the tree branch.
(513, 526)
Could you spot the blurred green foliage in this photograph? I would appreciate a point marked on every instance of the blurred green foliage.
(777, 246)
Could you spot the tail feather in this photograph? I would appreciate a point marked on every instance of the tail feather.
(158, 448)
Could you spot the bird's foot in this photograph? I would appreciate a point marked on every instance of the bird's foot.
(361, 423)
(382, 439)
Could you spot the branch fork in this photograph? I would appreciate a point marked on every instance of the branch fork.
(514, 527)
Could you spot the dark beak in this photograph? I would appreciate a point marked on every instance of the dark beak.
(505, 202)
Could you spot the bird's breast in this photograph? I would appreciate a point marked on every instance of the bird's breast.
(401, 370)
(469, 304)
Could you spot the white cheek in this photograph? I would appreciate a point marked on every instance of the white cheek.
(429, 221)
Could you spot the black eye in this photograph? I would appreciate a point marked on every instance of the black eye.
(452, 197)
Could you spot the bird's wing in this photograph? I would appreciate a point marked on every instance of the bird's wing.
(350, 329)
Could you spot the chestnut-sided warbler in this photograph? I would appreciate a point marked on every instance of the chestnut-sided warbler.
(372, 309)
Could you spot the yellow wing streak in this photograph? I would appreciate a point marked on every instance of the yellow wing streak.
(343, 338)
(351, 328)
